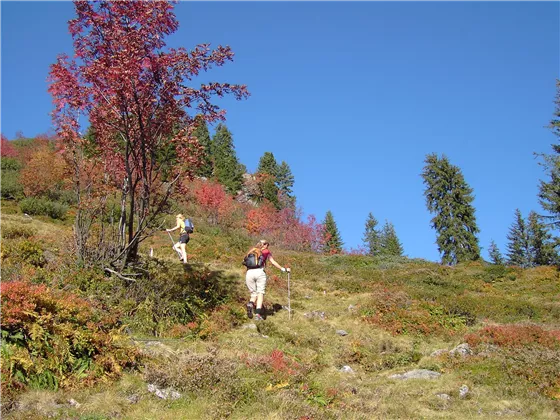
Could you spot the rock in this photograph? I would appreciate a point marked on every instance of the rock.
(314, 314)
(133, 399)
(346, 369)
(417, 374)
(74, 403)
(352, 308)
(249, 326)
(461, 350)
(463, 391)
(341, 332)
(164, 394)
(49, 256)
(446, 397)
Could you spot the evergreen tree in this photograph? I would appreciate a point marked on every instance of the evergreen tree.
(332, 240)
(285, 182)
(450, 198)
(549, 192)
(495, 254)
(390, 244)
(541, 246)
(227, 169)
(518, 245)
(267, 172)
(203, 136)
(372, 236)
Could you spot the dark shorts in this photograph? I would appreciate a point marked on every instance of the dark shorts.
(184, 238)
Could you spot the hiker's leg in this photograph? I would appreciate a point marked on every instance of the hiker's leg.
(261, 286)
(184, 251)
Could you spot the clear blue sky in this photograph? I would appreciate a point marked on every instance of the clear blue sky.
(353, 95)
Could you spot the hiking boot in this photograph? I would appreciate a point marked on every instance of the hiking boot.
(258, 317)
(250, 307)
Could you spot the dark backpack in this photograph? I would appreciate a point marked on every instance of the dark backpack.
(189, 227)
(254, 259)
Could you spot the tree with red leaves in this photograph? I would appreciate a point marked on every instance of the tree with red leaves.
(7, 149)
(136, 94)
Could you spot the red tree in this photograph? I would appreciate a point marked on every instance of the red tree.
(7, 150)
(136, 94)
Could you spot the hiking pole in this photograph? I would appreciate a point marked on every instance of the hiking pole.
(173, 242)
(289, 304)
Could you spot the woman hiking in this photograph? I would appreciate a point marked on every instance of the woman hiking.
(256, 278)
(184, 237)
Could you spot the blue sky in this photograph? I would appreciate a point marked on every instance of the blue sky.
(353, 96)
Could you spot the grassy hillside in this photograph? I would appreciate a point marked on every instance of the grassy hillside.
(355, 322)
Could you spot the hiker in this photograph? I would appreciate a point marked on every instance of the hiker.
(256, 279)
(181, 246)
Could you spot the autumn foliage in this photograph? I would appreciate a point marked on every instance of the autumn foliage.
(7, 149)
(44, 172)
(53, 339)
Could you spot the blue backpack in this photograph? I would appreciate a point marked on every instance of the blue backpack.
(189, 227)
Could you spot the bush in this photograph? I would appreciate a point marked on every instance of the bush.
(40, 206)
(10, 164)
(12, 231)
(11, 187)
(53, 339)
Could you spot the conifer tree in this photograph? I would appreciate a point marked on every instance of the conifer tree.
(541, 246)
(332, 241)
(495, 254)
(372, 236)
(450, 198)
(390, 244)
(285, 182)
(267, 171)
(203, 136)
(518, 245)
(549, 192)
(227, 169)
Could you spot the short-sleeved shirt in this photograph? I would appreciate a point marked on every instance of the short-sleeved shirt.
(182, 229)
(266, 254)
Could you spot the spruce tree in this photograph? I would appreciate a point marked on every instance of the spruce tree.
(495, 254)
(518, 245)
(390, 244)
(541, 246)
(285, 182)
(227, 169)
(549, 192)
(203, 136)
(371, 236)
(332, 241)
(268, 171)
(450, 198)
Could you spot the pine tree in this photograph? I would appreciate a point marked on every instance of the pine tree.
(495, 254)
(372, 236)
(450, 198)
(203, 136)
(549, 192)
(285, 182)
(267, 172)
(541, 246)
(332, 241)
(390, 244)
(518, 245)
(227, 169)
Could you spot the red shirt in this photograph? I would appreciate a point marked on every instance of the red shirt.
(266, 253)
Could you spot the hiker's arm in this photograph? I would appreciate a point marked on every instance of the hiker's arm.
(275, 264)
(175, 228)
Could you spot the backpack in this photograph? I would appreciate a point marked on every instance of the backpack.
(254, 259)
(189, 227)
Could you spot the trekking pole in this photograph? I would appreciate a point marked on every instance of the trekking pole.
(173, 242)
(289, 304)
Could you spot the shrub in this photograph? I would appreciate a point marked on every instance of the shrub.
(515, 336)
(10, 185)
(12, 231)
(53, 339)
(10, 164)
(40, 206)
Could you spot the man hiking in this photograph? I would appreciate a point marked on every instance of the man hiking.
(256, 278)
(181, 246)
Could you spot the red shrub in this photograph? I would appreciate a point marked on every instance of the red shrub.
(7, 150)
(514, 336)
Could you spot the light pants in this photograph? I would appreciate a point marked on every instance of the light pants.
(256, 281)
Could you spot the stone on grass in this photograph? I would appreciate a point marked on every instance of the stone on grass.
(461, 350)
(164, 394)
(446, 397)
(463, 391)
(74, 403)
(315, 314)
(249, 326)
(346, 369)
(341, 332)
(417, 374)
